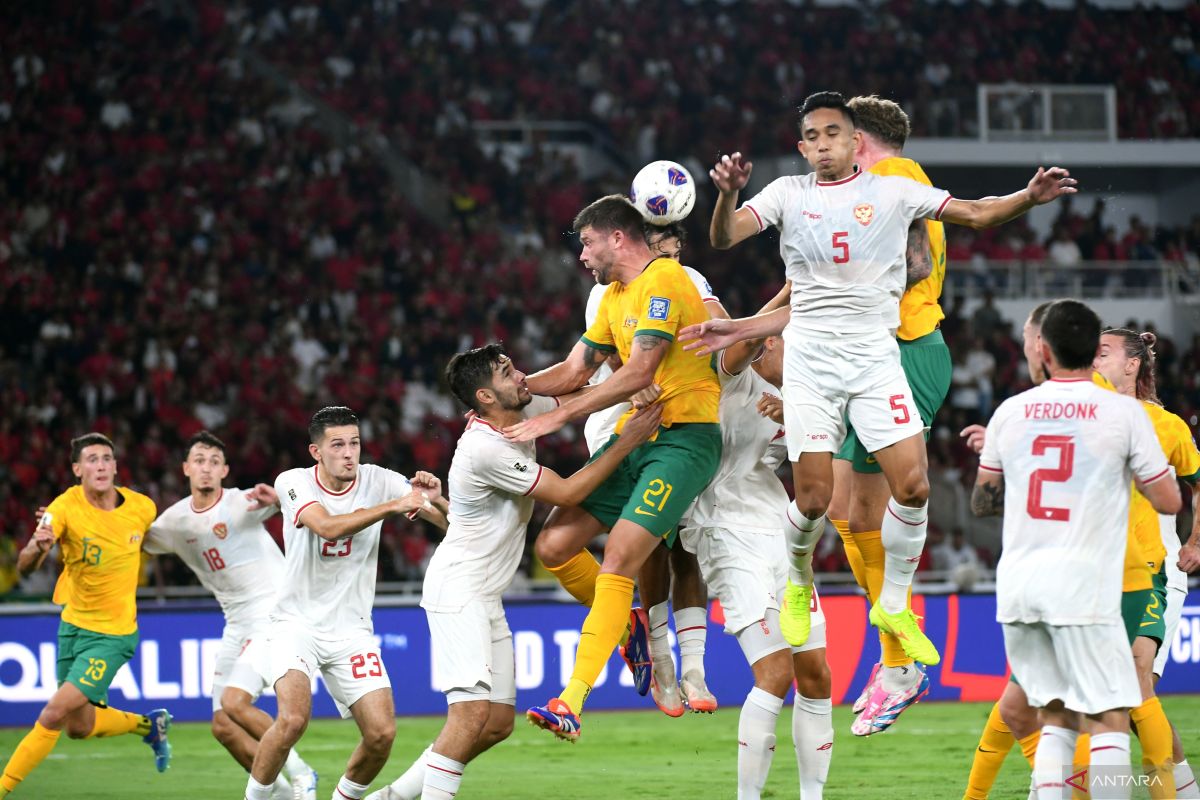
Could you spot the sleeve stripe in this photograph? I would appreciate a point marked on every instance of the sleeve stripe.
(942, 207)
(986, 468)
(652, 332)
(299, 511)
(1159, 476)
(606, 348)
(535, 481)
(756, 216)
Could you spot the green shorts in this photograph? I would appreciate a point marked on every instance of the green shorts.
(90, 660)
(1145, 616)
(655, 484)
(927, 365)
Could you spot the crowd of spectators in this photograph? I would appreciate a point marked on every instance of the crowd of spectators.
(181, 247)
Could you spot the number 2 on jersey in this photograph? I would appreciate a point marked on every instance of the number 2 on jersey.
(1065, 445)
(841, 245)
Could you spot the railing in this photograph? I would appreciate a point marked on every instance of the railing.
(1036, 112)
(1114, 280)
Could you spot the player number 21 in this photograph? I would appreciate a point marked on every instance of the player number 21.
(840, 244)
(1065, 445)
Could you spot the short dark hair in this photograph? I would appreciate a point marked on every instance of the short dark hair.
(1039, 313)
(329, 417)
(613, 212)
(883, 119)
(659, 232)
(468, 372)
(207, 439)
(833, 100)
(87, 440)
(1072, 330)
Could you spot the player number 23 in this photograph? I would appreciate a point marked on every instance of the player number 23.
(359, 666)
(1065, 445)
(336, 548)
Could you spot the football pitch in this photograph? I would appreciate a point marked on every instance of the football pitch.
(641, 754)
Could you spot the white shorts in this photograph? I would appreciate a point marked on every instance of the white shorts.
(473, 653)
(748, 573)
(1175, 601)
(350, 667)
(825, 380)
(1088, 667)
(241, 662)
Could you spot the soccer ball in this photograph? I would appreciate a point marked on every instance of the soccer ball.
(664, 192)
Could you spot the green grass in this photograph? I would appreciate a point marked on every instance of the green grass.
(622, 755)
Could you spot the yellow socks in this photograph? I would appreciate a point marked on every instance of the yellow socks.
(1080, 761)
(601, 631)
(870, 546)
(113, 722)
(32, 750)
(994, 744)
(1029, 745)
(852, 553)
(578, 576)
(1154, 732)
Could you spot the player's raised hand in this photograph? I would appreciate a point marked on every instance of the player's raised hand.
(770, 407)
(532, 428)
(974, 436)
(731, 173)
(261, 496)
(428, 483)
(710, 336)
(646, 396)
(1189, 558)
(1050, 184)
(642, 425)
(43, 534)
(411, 503)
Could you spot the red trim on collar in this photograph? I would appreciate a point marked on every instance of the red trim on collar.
(317, 477)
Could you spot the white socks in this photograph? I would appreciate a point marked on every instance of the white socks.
(442, 777)
(903, 538)
(1110, 750)
(281, 789)
(1055, 751)
(408, 786)
(899, 679)
(660, 644)
(756, 741)
(802, 535)
(1185, 781)
(349, 790)
(812, 736)
(691, 629)
(295, 765)
(256, 790)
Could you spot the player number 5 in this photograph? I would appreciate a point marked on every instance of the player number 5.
(840, 243)
(897, 403)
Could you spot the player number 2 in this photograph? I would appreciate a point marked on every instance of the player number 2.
(359, 668)
(1065, 445)
(840, 243)
(336, 548)
(213, 557)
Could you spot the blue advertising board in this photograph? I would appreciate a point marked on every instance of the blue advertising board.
(174, 660)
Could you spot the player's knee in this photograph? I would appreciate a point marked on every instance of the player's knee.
(223, 728)
(497, 730)
(912, 490)
(814, 681)
(773, 673)
(552, 550)
(1017, 714)
(234, 702)
(292, 726)
(378, 739)
(53, 717)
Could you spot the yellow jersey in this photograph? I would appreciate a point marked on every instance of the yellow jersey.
(920, 311)
(101, 554)
(1175, 438)
(658, 302)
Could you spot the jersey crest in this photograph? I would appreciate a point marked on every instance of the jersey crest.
(220, 530)
(864, 213)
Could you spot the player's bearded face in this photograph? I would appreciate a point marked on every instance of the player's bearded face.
(597, 253)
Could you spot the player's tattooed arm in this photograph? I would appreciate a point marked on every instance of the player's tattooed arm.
(568, 375)
(648, 342)
(987, 499)
(920, 261)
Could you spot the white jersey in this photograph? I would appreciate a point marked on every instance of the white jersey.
(1068, 450)
(1176, 578)
(844, 244)
(228, 548)
(489, 484)
(601, 425)
(330, 585)
(745, 495)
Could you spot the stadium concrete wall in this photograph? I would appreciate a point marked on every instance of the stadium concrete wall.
(173, 664)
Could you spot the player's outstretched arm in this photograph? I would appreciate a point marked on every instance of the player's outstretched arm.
(572, 491)
(1163, 493)
(730, 224)
(987, 498)
(338, 526)
(918, 256)
(431, 486)
(648, 352)
(708, 337)
(34, 553)
(782, 299)
(570, 374)
(1046, 186)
